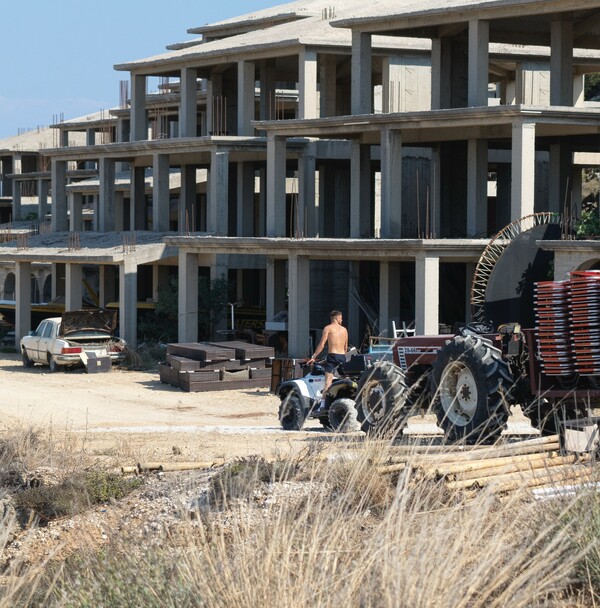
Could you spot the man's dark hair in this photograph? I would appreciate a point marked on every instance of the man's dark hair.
(335, 313)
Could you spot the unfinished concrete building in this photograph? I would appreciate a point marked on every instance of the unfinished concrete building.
(329, 159)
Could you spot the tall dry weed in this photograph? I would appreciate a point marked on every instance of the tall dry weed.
(340, 534)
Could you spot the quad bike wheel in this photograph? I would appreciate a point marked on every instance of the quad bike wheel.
(291, 412)
(381, 399)
(470, 385)
(342, 416)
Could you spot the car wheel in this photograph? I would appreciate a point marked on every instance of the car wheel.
(27, 362)
(54, 366)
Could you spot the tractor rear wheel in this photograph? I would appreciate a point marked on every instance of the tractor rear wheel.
(291, 412)
(382, 398)
(470, 386)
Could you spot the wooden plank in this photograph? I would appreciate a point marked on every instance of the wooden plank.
(246, 350)
(199, 351)
(168, 375)
(196, 387)
(182, 364)
(260, 373)
(186, 378)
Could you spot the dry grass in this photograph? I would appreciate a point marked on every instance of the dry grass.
(331, 533)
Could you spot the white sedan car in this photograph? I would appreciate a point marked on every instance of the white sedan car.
(72, 339)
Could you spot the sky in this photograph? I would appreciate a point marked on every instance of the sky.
(58, 55)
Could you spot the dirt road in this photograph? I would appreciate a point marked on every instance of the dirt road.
(135, 408)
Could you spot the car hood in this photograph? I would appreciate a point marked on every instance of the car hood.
(78, 320)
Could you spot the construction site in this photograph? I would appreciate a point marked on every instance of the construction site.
(430, 170)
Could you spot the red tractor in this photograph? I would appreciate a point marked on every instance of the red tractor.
(471, 379)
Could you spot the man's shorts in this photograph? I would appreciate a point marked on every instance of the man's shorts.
(333, 362)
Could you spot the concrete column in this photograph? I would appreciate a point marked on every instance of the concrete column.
(246, 97)
(436, 192)
(187, 199)
(559, 177)
(441, 73)
(139, 125)
(561, 63)
(188, 297)
(245, 199)
(578, 90)
(43, 189)
(119, 210)
(267, 90)
(17, 208)
(309, 95)
(307, 193)
(22, 300)
(523, 169)
(160, 193)
(532, 83)
(261, 229)
(298, 306)
(128, 301)
(75, 211)
(59, 222)
(73, 286)
(188, 108)
(427, 295)
(385, 325)
(328, 85)
(392, 84)
(276, 181)
(275, 287)
(479, 42)
(362, 79)
(106, 207)
(102, 298)
(477, 171)
(391, 184)
(137, 197)
(360, 195)
(90, 137)
(218, 199)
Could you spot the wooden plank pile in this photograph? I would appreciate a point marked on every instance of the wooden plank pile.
(523, 465)
(216, 366)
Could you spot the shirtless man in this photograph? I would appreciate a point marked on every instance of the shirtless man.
(336, 338)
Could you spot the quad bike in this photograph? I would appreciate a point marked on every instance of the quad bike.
(301, 397)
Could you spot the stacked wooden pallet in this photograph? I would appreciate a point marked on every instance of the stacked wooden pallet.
(523, 465)
(216, 366)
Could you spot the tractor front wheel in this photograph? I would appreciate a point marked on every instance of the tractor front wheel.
(470, 385)
(381, 398)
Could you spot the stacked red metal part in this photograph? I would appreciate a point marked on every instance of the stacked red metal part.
(551, 299)
(584, 310)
